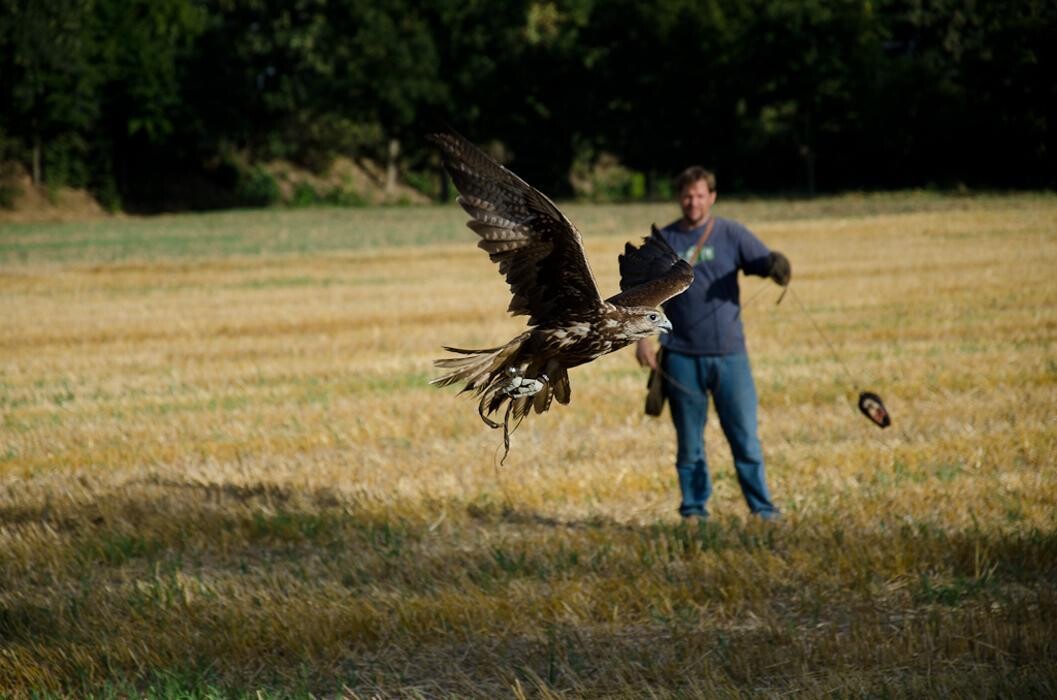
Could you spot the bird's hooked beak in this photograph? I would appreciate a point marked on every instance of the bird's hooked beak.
(665, 326)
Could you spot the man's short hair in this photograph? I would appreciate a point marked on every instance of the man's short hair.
(695, 173)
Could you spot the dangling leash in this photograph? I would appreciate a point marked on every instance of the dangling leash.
(507, 430)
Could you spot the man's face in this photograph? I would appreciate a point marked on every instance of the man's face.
(696, 201)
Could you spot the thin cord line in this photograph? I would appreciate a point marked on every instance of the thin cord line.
(741, 306)
(682, 387)
(833, 350)
(800, 304)
(818, 328)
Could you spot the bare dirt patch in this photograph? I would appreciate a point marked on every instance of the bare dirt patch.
(39, 203)
(357, 180)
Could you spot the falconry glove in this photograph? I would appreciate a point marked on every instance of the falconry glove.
(781, 271)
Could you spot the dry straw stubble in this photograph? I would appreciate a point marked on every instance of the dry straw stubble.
(223, 467)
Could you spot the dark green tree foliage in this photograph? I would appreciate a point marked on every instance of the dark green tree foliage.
(50, 83)
(665, 94)
(813, 106)
(971, 90)
(384, 64)
(144, 46)
(170, 103)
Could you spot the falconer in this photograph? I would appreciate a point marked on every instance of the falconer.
(705, 353)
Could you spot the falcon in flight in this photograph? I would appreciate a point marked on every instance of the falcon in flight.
(541, 255)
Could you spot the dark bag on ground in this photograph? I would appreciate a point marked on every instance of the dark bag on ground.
(655, 389)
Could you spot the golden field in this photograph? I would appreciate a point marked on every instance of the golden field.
(223, 471)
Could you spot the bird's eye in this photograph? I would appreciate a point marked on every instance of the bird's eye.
(653, 317)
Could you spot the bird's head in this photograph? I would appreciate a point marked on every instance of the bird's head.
(645, 322)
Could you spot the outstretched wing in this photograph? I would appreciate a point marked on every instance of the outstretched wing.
(539, 251)
(651, 274)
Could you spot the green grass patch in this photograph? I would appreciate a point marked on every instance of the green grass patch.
(324, 229)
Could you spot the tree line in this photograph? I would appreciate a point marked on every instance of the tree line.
(157, 104)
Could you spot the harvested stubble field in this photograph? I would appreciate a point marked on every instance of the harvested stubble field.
(224, 473)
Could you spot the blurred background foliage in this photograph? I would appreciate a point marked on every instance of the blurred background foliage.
(181, 104)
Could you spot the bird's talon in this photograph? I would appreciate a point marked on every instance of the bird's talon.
(520, 386)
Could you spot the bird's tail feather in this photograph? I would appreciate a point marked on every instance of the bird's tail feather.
(474, 367)
(480, 369)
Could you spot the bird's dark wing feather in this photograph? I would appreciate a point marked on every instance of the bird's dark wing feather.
(651, 274)
(539, 251)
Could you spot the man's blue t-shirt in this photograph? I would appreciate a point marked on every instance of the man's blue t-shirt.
(706, 318)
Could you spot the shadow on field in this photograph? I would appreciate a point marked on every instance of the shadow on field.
(151, 518)
(255, 584)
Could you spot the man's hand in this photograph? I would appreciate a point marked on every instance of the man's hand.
(646, 353)
(781, 271)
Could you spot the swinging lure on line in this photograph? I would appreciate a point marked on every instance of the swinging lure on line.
(870, 403)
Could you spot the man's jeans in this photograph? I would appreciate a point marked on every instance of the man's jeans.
(728, 378)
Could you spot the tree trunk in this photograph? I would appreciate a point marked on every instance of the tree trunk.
(445, 184)
(809, 165)
(808, 154)
(390, 167)
(36, 159)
